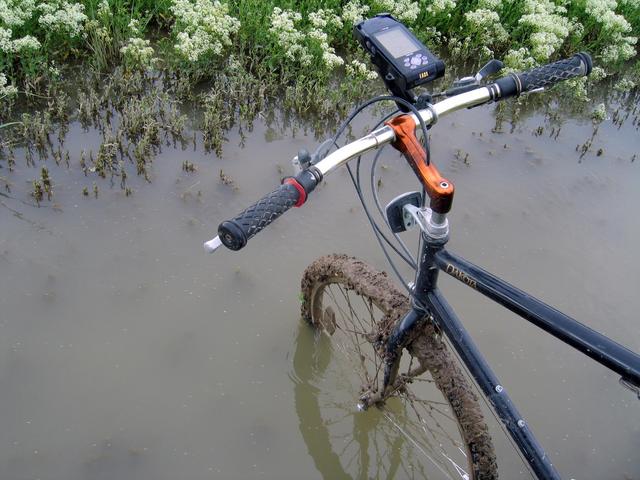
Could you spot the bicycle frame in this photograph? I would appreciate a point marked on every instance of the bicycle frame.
(429, 302)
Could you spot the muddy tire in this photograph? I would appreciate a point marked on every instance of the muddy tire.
(355, 307)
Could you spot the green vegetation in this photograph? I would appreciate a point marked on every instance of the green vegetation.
(293, 41)
(141, 61)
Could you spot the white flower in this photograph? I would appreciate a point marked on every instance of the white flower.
(6, 90)
(549, 26)
(27, 42)
(543, 44)
(330, 58)
(138, 52)
(64, 17)
(519, 60)
(6, 45)
(15, 12)
(283, 26)
(318, 35)
(404, 10)
(104, 10)
(486, 26)
(134, 27)
(359, 69)
(576, 28)
(620, 52)
(288, 37)
(578, 88)
(439, 6)
(325, 18)
(624, 85)
(300, 46)
(614, 28)
(202, 27)
(54, 71)
(194, 46)
(597, 74)
(353, 12)
(596, 8)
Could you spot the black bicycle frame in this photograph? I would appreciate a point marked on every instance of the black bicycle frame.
(428, 301)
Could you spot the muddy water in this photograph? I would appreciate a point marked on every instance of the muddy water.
(126, 352)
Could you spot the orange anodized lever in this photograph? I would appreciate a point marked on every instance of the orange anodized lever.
(439, 189)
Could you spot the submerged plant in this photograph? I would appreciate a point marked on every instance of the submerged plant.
(46, 182)
(42, 186)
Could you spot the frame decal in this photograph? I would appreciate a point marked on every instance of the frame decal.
(460, 275)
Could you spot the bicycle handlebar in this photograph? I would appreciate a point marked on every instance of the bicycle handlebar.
(547, 75)
(235, 233)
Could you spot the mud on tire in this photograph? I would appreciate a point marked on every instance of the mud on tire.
(349, 276)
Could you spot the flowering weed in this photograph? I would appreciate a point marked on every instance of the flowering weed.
(294, 48)
(202, 31)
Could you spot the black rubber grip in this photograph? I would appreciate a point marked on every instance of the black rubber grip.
(547, 75)
(235, 233)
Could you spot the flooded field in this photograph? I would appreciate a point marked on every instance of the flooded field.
(128, 353)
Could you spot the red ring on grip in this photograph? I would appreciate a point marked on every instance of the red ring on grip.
(303, 195)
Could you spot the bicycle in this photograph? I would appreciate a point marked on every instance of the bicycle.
(372, 333)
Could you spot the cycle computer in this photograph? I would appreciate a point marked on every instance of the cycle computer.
(402, 60)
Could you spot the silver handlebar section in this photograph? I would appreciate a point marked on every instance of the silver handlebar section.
(385, 135)
(375, 139)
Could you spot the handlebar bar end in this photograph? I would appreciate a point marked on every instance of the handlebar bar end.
(212, 245)
(232, 235)
(586, 58)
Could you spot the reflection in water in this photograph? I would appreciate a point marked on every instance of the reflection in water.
(346, 443)
(116, 329)
(370, 430)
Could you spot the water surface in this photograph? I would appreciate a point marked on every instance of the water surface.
(126, 352)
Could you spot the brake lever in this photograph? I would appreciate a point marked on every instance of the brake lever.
(491, 67)
(466, 84)
(304, 159)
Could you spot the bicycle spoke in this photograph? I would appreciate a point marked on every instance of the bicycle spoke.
(353, 327)
(417, 445)
(345, 317)
(363, 333)
(441, 432)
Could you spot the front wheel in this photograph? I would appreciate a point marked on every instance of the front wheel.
(428, 425)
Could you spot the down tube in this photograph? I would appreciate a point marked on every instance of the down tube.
(490, 385)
